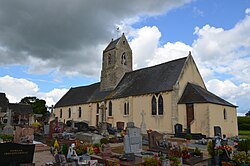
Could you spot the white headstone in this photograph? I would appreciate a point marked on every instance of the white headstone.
(133, 140)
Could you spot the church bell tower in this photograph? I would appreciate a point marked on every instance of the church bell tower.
(116, 61)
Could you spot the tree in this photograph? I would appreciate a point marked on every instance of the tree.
(38, 105)
(248, 113)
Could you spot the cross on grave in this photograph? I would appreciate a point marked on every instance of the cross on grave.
(143, 124)
(8, 129)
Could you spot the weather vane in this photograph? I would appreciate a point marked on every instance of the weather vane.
(117, 32)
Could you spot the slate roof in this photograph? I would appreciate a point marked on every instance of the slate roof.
(3, 102)
(144, 81)
(21, 108)
(150, 80)
(78, 95)
(196, 94)
(111, 45)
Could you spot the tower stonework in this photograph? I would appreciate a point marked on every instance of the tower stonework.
(116, 61)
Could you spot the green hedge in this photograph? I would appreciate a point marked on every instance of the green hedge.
(243, 122)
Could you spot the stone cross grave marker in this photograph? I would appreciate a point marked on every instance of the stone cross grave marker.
(143, 124)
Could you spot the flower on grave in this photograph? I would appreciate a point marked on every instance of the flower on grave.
(81, 148)
(221, 149)
(57, 129)
(184, 153)
(218, 150)
(228, 148)
(56, 144)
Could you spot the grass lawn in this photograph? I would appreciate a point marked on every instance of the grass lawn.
(244, 132)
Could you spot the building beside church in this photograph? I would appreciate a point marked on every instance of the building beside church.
(21, 114)
(159, 97)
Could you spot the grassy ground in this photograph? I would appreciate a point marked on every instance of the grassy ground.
(244, 132)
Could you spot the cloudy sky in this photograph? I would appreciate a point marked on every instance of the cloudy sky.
(47, 46)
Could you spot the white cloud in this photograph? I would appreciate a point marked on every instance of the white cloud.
(238, 95)
(146, 49)
(222, 56)
(53, 96)
(247, 11)
(18, 88)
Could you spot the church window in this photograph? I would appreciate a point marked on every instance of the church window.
(110, 108)
(123, 58)
(123, 42)
(69, 112)
(97, 108)
(160, 105)
(153, 105)
(125, 111)
(126, 108)
(60, 113)
(225, 114)
(80, 112)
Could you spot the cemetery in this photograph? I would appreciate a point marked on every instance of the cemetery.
(76, 143)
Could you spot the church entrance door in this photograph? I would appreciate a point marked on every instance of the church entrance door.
(190, 115)
(97, 120)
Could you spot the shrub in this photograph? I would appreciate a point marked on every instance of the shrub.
(197, 151)
(7, 138)
(188, 136)
(104, 141)
(150, 161)
(210, 148)
(244, 145)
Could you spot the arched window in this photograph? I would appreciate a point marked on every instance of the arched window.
(69, 112)
(110, 108)
(125, 109)
(97, 108)
(225, 113)
(80, 112)
(60, 113)
(153, 104)
(123, 59)
(160, 105)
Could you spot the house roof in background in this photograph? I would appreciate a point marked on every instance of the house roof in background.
(21, 108)
(3, 102)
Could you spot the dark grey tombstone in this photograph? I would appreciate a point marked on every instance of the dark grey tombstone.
(130, 124)
(81, 126)
(13, 154)
(120, 125)
(178, 128)
(217, 131)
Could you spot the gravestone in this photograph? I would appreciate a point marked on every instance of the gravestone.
(54, 127)
(46, 129)
(81, 126)
(14, 154)
(217, 131)
(88, 137)
(153, 138)
(133, 139)
(120, 126)
(178, 129)
(106, 150)
(24, 135)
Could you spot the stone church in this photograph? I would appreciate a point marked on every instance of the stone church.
(157, 97)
